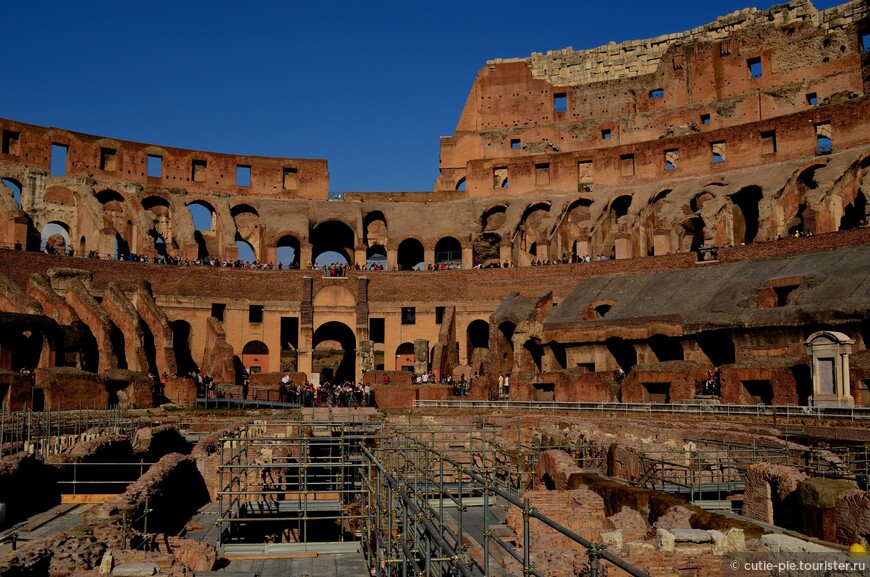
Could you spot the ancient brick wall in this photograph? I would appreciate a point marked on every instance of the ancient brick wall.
(158, 324)
(770, 494)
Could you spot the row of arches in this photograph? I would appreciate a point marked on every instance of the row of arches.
(666, 222)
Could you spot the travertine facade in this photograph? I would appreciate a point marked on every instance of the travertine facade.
(744, 131)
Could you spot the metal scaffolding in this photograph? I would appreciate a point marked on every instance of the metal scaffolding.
(420, 499)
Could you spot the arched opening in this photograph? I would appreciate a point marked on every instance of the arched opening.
(15, 189)
(255, 357)
(477, 343)
(161, 228)
(247, 221)
(83, 246)
(448, 251)
(334, 352)
(855, 213)
(55, 238)
(203, 216)
(334, 237)
(159, 243)
(181, 335)
(745, 214)
(486, 250)
(405, 357)
(573, 226)
(718, 347)
(533, 229)
(494, 217)
(287, 252)
(460, 184)
(375, 228)
(506, 346)
(666, 348)
(246, 251)
(623, 352)
(376, 257)
(410, 255)
(111, 200)
(619, 207)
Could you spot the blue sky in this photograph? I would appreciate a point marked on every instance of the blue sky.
(370, 86)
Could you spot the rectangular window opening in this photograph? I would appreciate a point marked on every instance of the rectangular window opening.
(377, 330)
(754, 65)
(865, 42)
(198, 170)
(243, 175)
(500, 177)
(255, 313)
(108, 159)
(606, 134)
(515, 143)
(560, 102)
(155, 166)
(824, 143)
(289, 333)
(439, 315)
(409, 315)
(672, 158)
(717, 150)
(768, 142)
(542, 173)
(58, 159)
(626, 165)
(657, 93)
(812, 99)
(705, 119)
(10, 142)
(585, 174)
(291, 179)
(217, 311)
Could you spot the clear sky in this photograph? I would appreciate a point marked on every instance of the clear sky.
(370, 86)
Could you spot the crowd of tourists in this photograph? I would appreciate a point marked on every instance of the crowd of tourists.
(326, 394)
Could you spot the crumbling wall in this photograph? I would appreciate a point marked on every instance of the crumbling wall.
(54, 306)
(207, 454)
(123, 314)
(158, 323)
(69, 388)
(27, 486)
(96, 319)
(15, 300)
(217, 359)
(818, 501)
(555, 469)
(172, 489)
(770, 494)
(100, 449)
(853, 517)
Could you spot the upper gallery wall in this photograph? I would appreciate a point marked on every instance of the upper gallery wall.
(667, 107)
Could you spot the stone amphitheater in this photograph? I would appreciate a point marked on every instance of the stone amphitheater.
(662, 244)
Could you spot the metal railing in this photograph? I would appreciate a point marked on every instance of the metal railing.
(48, 432)
(785, 411)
